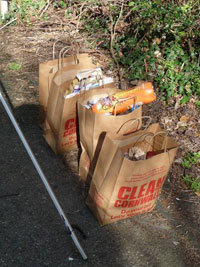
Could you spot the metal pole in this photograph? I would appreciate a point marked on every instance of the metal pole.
(44, 179)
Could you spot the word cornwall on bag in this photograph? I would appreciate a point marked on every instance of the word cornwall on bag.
(122, 187)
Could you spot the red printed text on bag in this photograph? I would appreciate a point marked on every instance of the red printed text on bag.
(70, 127)
(137, 195)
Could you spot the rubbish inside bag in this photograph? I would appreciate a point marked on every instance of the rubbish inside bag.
(108, 102)
(86, 80)
(136, 153)
(122, 101)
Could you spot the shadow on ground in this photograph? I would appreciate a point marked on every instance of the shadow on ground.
(32, 233)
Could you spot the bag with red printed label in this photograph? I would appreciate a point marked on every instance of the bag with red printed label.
(66, 87)
(60, 132)
(129, 174)
(92, 124)
(47, 71)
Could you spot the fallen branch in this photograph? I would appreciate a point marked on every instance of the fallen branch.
(179, 199)
(8, 23)
(112, 37)
(44, 8)
(79, 17)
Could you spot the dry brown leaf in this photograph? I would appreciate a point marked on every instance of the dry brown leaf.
(157, 40)
(197, 193)
(120, 54)
(120, 26)
(184, 118)
(165, 202)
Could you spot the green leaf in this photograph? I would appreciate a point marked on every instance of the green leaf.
(198, 104)
(131, 3)
(182, 34)
(185, 99)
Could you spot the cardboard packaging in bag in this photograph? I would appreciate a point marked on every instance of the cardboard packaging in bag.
(120, 187)
(91, 125)
(47, 71)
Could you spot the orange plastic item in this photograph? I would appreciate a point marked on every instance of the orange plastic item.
(122, 101)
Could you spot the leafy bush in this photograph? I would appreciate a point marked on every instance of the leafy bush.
(165, 47)
(149, 40)
(160, 42)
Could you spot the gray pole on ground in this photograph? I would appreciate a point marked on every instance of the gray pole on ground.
(44, 179)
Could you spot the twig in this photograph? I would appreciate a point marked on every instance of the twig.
(61, 23)
(8, 23)
(112, 37)
(190, 48)
(141, 39)
(145, 64)
(187, 200)
(45, 7)
(79, 17)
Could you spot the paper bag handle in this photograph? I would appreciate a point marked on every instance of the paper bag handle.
(133, 121)
(54, 45)
(64, 50)
(75, 49)
(115, 106)
(153, 136)
(162, 132)
(76, 59)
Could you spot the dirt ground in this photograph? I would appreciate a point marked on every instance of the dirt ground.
(31, 231)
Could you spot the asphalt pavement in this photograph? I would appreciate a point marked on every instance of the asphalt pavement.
(32, 233)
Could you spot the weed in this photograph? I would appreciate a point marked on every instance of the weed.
(15, 66)
(191, 159)
(25, 10)
(192, 182)
(198, 104)
(60, 4)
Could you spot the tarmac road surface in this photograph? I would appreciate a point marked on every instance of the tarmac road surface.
(32, 233)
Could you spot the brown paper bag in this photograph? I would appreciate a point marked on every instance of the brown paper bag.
(61, 111)
(91, 125)
(121, 187)
(46, 72)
